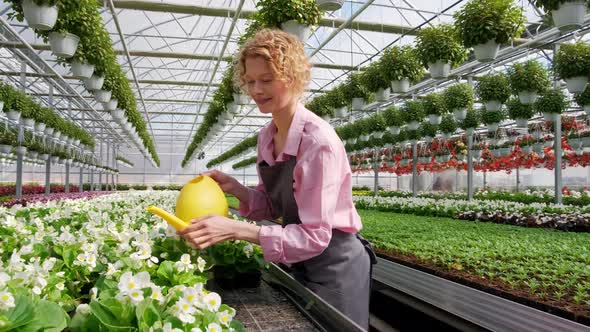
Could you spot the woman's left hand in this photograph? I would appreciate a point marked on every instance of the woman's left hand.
(209, 230)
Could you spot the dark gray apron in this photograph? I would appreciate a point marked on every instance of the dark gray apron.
(341, 274)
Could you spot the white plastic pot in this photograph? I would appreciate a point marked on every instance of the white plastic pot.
(232, 108)
(576, 84)
(40, 127)
(1, 105)
(241, 99)
(111, 105)
(550, 116)
(569, 15)
(102, 96)
(439, 69)
(94, 82)
(81, 69)
(49, 131)
(434, 119)
(21, 150)
(493, 105)
(486, 52)
(13, 115)
(378, 135)
(330, 5)
(413, 125)
(493, 127)
(33, 154)
(358, 104)
(296, 29)
(401, 86)
(469, 131)
(5, 148)
(39, 17)
(228, 116)
(382, 94)
(522, 123)
(29, 122)
(527, 149)
(528, 97)
(460, 114)
(54, 159)
(586, 109)
(352, 140)
(63, 44)
(341, 112)
(326, 117)
(394, 130)
(575, 143)
(56, 135)
(365, 137)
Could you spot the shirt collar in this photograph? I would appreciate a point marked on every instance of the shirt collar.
(295, 131)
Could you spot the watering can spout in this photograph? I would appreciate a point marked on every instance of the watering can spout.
(173, 220)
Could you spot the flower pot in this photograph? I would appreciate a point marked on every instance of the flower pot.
(110, 105)
(528, 97)
(40, 127)
(341, 112)
(117, 114)
(576, 84)
(493, 105)
(13, 115)
(351, 141)
(569, 15)
(493, 127)
(94, 82)
(21, 150)
(460, 114)
(5, 148)
(434, 119)
(232, 108)
(56, 135)
(382, 95)
(538, 148)
(81, 69)
(63, 44)
(326, 117)
(241, 99)
(447, 135)
(505, 151)
(41, 17)
(469, 131)
(413, 125)
(49, 131)
(358, 104)
(586, 141)
(365, 137)
(401, 86)
(128, 126)
(378, 135)
(575, 143)
(522, 123)
(329, 5)
(486, 52)
(227, 116)
(28, 122)
(586, 109)
(527, 149)
(550, 116)
(439, 69)
(548, 144)
(102, 96)
(296, 29)
(394, 130)
(33, 154)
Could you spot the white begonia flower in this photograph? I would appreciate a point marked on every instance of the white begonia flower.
(193, 296)
(224, 318)
(168, 328)
(4, 278)
(184, 264)
(184, 311)
(157, 294)
(6, 300)
(212, 301)
(83, 309)
(60, 286)
(201, 263)
(248, 250)
(213, 328)
(93, 293)
(196, 329)
(144, 252)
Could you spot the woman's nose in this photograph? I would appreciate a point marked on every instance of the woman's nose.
(257, 88)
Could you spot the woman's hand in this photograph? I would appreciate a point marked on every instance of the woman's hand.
(228, 184)
(211, 229)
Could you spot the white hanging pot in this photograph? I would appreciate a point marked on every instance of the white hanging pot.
(576, 84)
(13, 115)
(329, 5)
(40, 127)
(358, 104)
(570, 15)
(439, 69)
(63, 44)
(227, 116)
(493, 127)
(21, 150)
(447, 135)
(413, 125)
(548, 143)
(378, 135)
(117, 114)
(527, 149)
(241, 99)
(232, 108)
(550, 116)
(29, 122)
(434, 119)
(1, 105)
(486, 52)
(469, 131)
(81, 69)
(586, 141)
(394, 130)
(575, 143)
(586, 109)
(49, 131)
(94, 82)
(296, 29)
(401, 86)
(111, 105)
(460, 114)
(102, 96)
(341, 112)
(493, 105)
(128, 126)
(56, 135)
(382, 95)
(528, 97)
(33, 154)
(365, 138)
(39, 17)
(522, 123)
(5, 148)
(54, 159)
(352, 140)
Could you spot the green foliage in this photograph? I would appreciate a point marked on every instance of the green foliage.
(373, 77)
(271, 13)
(377, 123)
(458, 96)
(414, 135)
(125, 160)
(354, 87)
(549, 5)
(428, 130)
(413, 110)
(471, 120)
(493, 87)
(399, 63)
(237, 257)
(573, 60)
(364, 126)
(8, 136)
(434, 104)
(336, 98)
(448, 125)
(244, 163)
(528, 76)
(552, 101)
(491, 117)
(480, 21)
(518, 110)
(583, 98)
(393, 117)
(440, 43)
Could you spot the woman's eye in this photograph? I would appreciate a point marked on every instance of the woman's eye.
(267, 81)
(250, 82)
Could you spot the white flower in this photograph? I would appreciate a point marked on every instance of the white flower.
(196, 329)
(4, 278)
(248, 249)
(168, 328)
(214, 328)
(224, 318)
(130, 285)
(193, 295)
(157, 294)
(60, 285)
(93, 293)
(212, 301)
(6, 300)
(144, 252)
(184, 311)
(201, 263)
(83, 309)
(184, 264)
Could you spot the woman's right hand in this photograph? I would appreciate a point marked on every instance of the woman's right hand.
(227, 183)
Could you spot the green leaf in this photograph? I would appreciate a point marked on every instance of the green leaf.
(49, 317)
(21, 314)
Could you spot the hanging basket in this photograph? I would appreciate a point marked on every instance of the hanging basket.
(232, 108)
(33, 154)
(241, 99)
(413, 125)
(575, 143)
(94, 82)
(39, 17)
(550, 116)
(382, 95)
(102, 96)
(227, 116)
(394, 130)
(528, 97)
(522, 123)
(460, 114)
(576, 84)
(401, 86)
(40, 127)
(5, 149)
(29, 122)
(493, 127)
(111, 105)
(358, 104)
(528, 149)
(81, 69)
(329, 5)
(63, 44)
(570, 15)
(439, 69)
(364, 137)
(13, 115)
(296, 29)
(493, 105)
(49, 131)
(21, 150)
(341, 112)
(351, 140)
(486, 52)
(56, 135)
(378, 135)
(434, 119)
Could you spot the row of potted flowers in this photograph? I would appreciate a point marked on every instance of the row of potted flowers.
(57, 196)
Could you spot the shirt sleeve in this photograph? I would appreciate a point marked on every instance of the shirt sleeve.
(316, 182)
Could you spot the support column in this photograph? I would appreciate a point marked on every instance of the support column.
(81, 181)
(557, 150)
(485, 180)
(48, 176)
(91, 180)
(376, 171)
(517, 179)
(19, 162)
(67, 189)
(469, 166)
(414, 169)
(100, 172)
(106, 180)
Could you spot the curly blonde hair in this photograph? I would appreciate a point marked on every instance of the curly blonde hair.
(283, 52)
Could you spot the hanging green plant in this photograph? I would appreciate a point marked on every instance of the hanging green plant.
(272, 13)
(8, 136)
(373, 77)
(355, 88)
(573, 60)
(549, 5)
(414, 135)
(377, 123)
(336, 98)
(471, 121)
(440, 43)
(8, 95)
(552, 101)
(493, 88)
(458, 96)
(402, 136)
(583, 99)
(518, 110)
(492, 117)
(364, 126)
(528, 76)
(434, 104)
(448, 124)
(398, 63)
(413, 110)
(428, 129)
(393, 117)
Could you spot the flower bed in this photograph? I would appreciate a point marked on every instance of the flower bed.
(107, 263)
(27, 200)
(31, 189)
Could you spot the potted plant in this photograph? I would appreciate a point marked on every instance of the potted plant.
(458, 98)
(413, 135)
(355, 90)
(413, 114)
(572, 64)
(470, 122)
(364, 127)
(485, 24)
(492, 119)
(434, 107)
(528, 80)
(7, 139)
(329, 5)
(401, 66)
(440, 49)
(6, 95)
(567, 14)
(493, 91)
(393, 119)
(447, 126)
(519, 112)
(583, 99)
(374, 80)
(378, 125)
(552, 103)
(294, 17)
(428, 131)
(336, 100)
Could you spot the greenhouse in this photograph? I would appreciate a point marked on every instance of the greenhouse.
(294, 165)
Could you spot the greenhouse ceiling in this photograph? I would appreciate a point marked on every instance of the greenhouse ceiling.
(175, 52)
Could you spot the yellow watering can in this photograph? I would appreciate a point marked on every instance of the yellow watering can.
(199, 197)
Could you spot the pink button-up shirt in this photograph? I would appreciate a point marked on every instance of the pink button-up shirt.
(322, 188)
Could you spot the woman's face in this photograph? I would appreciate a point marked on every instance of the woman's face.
(270, 94)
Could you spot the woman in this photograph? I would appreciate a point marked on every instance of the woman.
(305, 181)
